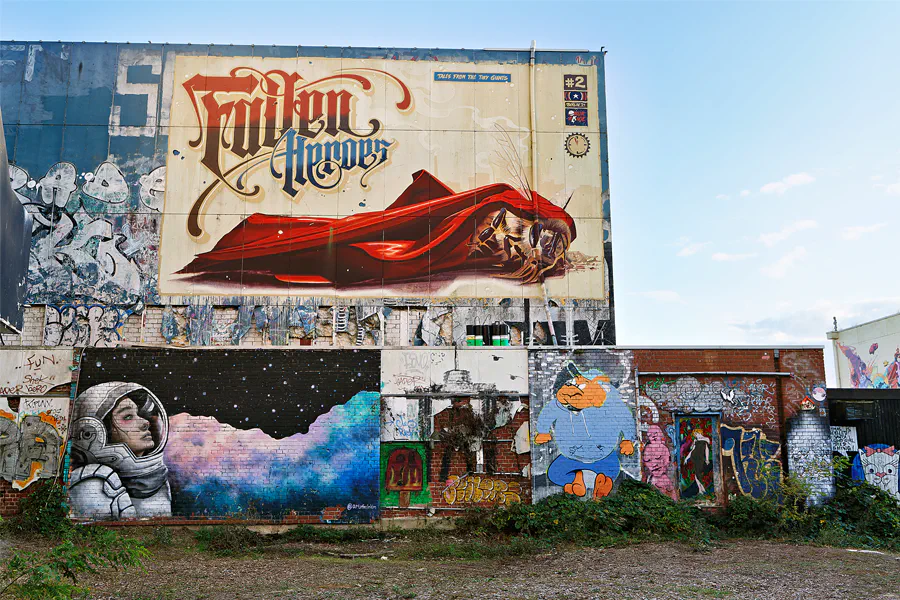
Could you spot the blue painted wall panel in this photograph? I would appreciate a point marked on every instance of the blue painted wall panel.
(12, 76)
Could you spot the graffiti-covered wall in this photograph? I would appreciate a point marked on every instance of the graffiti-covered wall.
(220, 195)
(35, 390)
(275, 434)
(454, 427)
(675, 419)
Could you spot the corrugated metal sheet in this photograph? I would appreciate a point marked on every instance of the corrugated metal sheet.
(874, 413)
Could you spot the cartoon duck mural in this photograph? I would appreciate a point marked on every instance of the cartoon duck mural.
(591, 428)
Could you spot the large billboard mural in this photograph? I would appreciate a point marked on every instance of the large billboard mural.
(377, 178)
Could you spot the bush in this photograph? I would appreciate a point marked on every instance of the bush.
(636, 510)
(865, 512)
(329, 535)
(43, 512)
(162, 536)
(787, 514)
(226, 540)
(55, 574)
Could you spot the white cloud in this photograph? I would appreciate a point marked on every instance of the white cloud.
(745, 193)
(786, 183)
(780, 267)
(689, 248)
(893, 189)
(661, 295)
(876, 177)
(722, 197)
(811, 323)
(856, 232)
(770, 239)
(724, 257)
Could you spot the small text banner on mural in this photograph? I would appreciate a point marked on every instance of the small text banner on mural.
(474, 77)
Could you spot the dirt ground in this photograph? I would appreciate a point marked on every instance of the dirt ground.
(732, 569)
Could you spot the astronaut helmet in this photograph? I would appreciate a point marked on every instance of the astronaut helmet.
(91, 430)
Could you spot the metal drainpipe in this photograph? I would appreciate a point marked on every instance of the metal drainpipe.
(782, 426)
(534, 176)
(637, 420)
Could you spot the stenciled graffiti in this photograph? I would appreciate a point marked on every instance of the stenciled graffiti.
(866, 374)
(753, 459)
(84, 325)
(88, 241)
(590, 427)
(31, 439)
(477, 488)
(878, 464)
(844, 440)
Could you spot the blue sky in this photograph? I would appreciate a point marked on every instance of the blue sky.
(754, 147)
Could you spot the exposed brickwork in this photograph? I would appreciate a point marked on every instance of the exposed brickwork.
(457, 469)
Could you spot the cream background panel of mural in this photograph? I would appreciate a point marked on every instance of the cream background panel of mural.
(467, 134)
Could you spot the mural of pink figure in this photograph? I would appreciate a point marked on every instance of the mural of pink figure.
(657, 462)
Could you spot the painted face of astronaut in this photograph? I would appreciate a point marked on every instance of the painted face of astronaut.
(128, 427)
(580, 392)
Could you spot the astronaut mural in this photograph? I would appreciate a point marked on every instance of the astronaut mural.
(585, 433)
(204, 434)
(119, 433)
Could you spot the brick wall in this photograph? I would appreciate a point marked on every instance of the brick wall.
(251, 433)
(688, 400)
(478, 470)
(230, 456)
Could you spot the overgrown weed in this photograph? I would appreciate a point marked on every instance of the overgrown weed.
(81, 550)
(636, 512)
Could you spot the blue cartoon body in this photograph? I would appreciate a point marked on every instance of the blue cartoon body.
(591, 427)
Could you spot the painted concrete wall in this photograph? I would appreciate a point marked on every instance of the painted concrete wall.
(868, 355)
(116, 153)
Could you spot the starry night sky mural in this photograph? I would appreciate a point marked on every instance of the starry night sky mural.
(267, 432)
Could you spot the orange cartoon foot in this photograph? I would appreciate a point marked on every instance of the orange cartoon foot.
(602, 486)
(577, 486)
